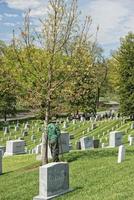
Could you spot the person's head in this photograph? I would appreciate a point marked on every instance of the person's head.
(52, 120)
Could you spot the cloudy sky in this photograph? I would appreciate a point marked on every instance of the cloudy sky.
(114, 17)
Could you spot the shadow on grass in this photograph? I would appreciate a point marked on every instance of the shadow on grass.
(4, 173)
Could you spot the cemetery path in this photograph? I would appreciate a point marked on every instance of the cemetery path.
(20, 116)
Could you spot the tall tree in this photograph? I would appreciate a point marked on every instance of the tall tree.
(57, 30)
(8, 84)
(125, 60)
(48, 68)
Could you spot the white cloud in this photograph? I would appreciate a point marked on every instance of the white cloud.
(10, 15)
(9, 24)
(38, 7)
(115, 18)
(1, 17)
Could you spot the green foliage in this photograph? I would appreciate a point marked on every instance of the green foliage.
(125, 60)
(8, 84)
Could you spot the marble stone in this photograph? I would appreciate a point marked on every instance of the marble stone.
(102, 145)
(131, 140)
(6, 130)
(24, 133)
(38, 149)
(64, 125)
(15, 147)
(0, 161)
(3, 149)
(82, 119)
(53, 180)
(74, 121)
(88, 130)
(132, 126)
(121, 153)
(86, 142)
(115, 138)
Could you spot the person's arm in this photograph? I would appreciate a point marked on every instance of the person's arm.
(58, 131)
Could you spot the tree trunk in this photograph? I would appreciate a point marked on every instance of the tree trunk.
(97, 98)
(45, 136)
(5, 116)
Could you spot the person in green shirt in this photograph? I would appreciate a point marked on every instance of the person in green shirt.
(53, 135)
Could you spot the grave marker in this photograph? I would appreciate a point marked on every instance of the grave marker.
(121, 153)
(15, 147)
(131, 141)
(53, 180)
(115, 138)
(86, 142)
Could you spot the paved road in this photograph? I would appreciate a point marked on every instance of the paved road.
(20, 116)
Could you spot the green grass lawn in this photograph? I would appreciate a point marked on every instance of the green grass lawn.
(94, 175)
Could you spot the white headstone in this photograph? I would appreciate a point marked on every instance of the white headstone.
(15, 147)
(6, 130)
(129, 138)
(53, 180)
(103, 145)
(88, 129)
(115, 138)
(86, 142)
(3, 149)
(16, 128)
(132, 126)
(74, 121)
(64, 125)
(38, 149)
(121, 154)
(131, 141)
(82, 119)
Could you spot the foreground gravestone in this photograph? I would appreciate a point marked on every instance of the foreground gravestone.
(86, 142)
(115, 138)
(53, 180)
(15, 147)
(121, 154)
(0, 162)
